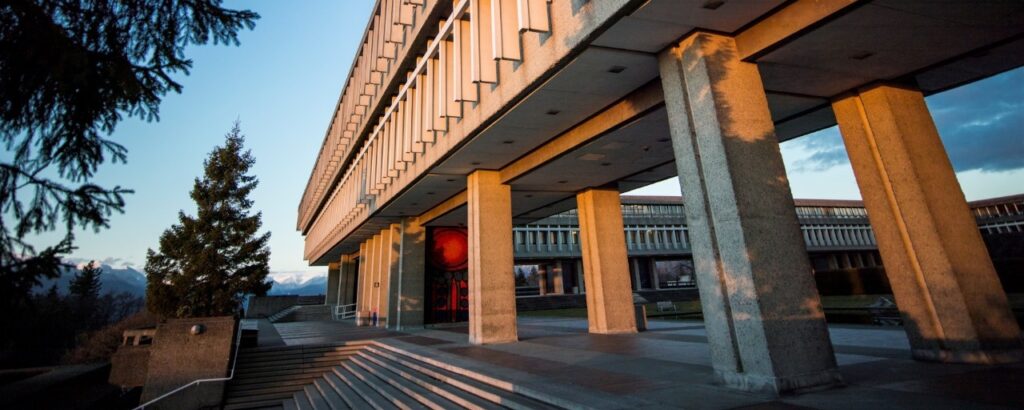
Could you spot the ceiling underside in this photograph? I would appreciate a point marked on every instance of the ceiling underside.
(938, 44)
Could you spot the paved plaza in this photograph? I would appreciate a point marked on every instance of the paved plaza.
(669, 366)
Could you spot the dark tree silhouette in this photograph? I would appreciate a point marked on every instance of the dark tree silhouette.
(70, 70)
(86, 283)
(207, 263)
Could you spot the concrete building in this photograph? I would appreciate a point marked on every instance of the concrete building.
(489, 113)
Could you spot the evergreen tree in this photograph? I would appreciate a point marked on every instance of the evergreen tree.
(207, 263)
(70, 70)
(86, 283)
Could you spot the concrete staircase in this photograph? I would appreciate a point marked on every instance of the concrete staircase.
(300, 313)
(369, 375)
(264, 377)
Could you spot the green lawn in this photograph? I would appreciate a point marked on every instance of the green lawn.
(694, 306)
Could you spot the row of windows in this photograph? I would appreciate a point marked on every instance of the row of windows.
(1013, 208)
(999, 210)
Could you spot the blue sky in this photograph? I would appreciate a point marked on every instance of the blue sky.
(282, 84)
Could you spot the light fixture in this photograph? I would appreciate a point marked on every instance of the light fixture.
(713, 4)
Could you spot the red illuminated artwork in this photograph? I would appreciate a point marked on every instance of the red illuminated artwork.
(450, 251)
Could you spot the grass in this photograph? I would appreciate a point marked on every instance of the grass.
(837, 302)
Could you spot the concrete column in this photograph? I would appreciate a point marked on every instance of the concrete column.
(363, 281)
(492, 287)
(556, 279)
(390, 242)
(764, 320)
(605, 266)
(953, 306)
(408, 304)
(333, 278)
(348, 280)
(373, 278)
(580, 277)
(542, 279)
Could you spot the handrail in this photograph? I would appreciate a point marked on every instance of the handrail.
(234, 363)
(343, 312)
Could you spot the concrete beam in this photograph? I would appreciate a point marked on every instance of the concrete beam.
(788, 23)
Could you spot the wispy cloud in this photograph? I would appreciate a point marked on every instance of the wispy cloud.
(981, 125)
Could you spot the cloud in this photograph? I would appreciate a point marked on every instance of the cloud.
(296, 276)
(823, 150)
(981, 126)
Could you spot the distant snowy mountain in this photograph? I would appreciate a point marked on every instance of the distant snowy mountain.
(113, 280)
(295, 286)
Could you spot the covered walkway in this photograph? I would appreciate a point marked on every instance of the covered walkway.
(670, 366)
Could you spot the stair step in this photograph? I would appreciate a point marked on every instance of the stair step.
(282, 374)
(372, 397)
(351, 398)
(449, 392)
(289, 404)
(278, 396)
(292, 360)
(404, 385)
(495, 394)
(272, 355)
(262, 404)
(396, 397)
(301, 401)
(315, 398)
(334, 401)
(292, 379)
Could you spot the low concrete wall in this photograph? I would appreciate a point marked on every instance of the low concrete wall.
(263, 306)
(178, 357)
(129, 365)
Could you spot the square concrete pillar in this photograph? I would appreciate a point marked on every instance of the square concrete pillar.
(557, 280)
(605, 264)
(764, 320)
(366, 280)
(492, 287)
(333, 279)
(346, 286)
(407, 287)
(953, 306)
(391, 240)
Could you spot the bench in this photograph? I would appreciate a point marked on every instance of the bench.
(666, 306)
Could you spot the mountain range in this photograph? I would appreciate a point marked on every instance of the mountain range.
(128, 279)
(112, 280)
(295, 286)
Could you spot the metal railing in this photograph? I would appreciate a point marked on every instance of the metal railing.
(197, 382)
(342, 312)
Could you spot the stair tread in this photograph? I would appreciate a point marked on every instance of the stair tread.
(481, 389)
(262, 404)
(406, 385)
(351, 398)
(289, 404)
(365, 391)
(315, 398)
(331, 396)
(448, 391)
(395, 396)
(301, 401)
(258, 397)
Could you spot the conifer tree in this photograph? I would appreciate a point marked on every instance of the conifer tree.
(86, 283)
(208, 262)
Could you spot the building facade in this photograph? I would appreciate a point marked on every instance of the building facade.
(484, 114)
